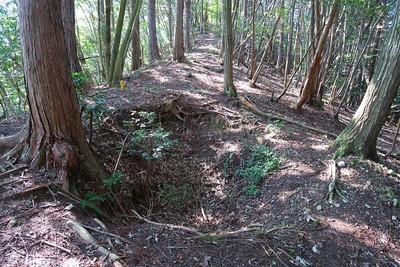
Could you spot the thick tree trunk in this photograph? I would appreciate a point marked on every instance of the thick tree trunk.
(229, 87)
(55, 137)
(360, 135)
(179, 52)
(154, 53)
(312, 76)
(68, 19)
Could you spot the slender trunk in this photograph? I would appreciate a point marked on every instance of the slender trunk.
(313, 71)
(229, 87)
(289, 44)
(188, 45)
(264, 56)
(179, 54)
(136, 51)
(154, 53)
(117, 40)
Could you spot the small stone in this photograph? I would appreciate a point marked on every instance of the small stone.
(319, 207)
(390, 172)
(69, 207)
(341, 164)
(337, 205)
(367, 206)
(394, 218)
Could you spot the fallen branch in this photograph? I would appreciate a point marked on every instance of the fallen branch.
(213, 235)
(256, 111)
(14, 171)
(87, 237)
(106, 233)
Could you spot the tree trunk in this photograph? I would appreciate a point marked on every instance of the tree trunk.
(179, 54)
(55, 137)
(136, 51)
(120, 60)
(188, 45)
(312, 76)
(360, 135)
(289, 44)
(68, 19)
(154, 53)
(117, 40)
(107, 37)
(229, 87)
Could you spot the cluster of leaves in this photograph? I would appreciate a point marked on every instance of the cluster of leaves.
(149, 139)
(175, 194)
(12, 93)
(92, 105)
(92, 199)
(262, 160)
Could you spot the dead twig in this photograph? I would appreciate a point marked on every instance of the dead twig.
(56, 246)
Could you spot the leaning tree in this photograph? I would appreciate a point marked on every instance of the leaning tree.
(360, 135)
(53, 137)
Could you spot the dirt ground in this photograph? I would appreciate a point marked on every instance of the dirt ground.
(192, 207)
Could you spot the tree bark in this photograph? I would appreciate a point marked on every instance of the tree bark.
(117, 40)
(229, 87)
(107, 37)
(154, 53)
(312, 76)
(179, 52)
(55, 137)
(360, 135)
(136, 51)
(68, 19)
(188, 45)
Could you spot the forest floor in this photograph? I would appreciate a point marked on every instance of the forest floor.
(236, 189)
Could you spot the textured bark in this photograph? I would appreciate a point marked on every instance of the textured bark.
(179, 52)
(188, 45)
(68, 19)
(154, 53)
(312, 76)
(360, 135)
(55, 137)
(229, 87)
(136, 51)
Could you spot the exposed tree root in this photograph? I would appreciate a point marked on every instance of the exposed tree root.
(255, 110)
(12, 140)
(87, 237)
